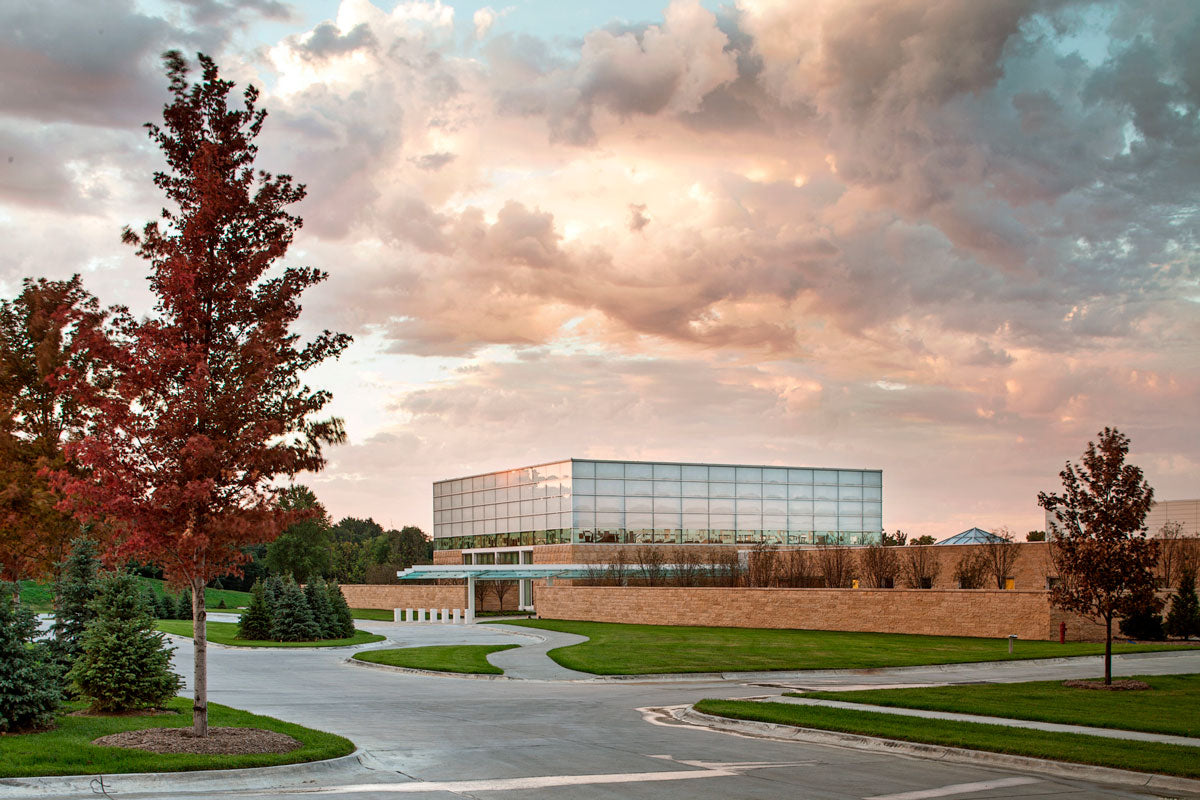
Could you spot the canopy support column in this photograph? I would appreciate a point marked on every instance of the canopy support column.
(470, 599)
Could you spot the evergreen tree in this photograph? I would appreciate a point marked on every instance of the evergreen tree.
(73, 594)
(293, 620)
(183, 608)
(344, 619)
(318, 602)
(125, 663)
(29, 692)
(164, 606)
(1145, 625)
(272, 591)
(255, 622)
(1183, 620)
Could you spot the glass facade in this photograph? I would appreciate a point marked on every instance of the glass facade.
(635, 502)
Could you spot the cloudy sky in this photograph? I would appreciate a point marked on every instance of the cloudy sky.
(947, 239)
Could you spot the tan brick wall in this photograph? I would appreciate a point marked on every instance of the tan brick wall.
(986, 613)
(401, 596)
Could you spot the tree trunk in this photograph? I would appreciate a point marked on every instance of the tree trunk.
(200, 660)
(1108, 650)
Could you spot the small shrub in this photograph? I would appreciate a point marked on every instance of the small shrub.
(255, 622)
(221, 604)
(293, 620)
(29, 689)
(124, 663)
(1183, 620)
(1145, 625)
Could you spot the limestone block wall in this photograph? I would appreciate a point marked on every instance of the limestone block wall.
(986, 613)
(404, 596)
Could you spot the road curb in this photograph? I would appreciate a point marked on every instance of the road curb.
(251, 778)
(301, 648)
(1057, 769)
(428, 673)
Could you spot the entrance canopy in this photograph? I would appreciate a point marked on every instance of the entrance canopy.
(495, 572)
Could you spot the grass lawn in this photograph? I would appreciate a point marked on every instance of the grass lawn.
(471, 658)
(39, 597)
(226, 633)
(1163, 709)
(67, 749)
(1168, 759)
(616, 649)
(378, 614)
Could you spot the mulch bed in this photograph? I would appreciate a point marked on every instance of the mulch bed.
(220, 741)
(1116, 686)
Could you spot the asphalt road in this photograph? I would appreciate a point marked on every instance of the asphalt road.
(435, 737)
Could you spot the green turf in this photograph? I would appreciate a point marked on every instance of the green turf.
(615, 649)
(226, 633)
(1168, 759)
(379, 614)
(39, 597)
(1171, 706)
(67, 748)
(470, 658)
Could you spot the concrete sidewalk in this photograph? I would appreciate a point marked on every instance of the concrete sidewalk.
(530, 661)
(1054, 727)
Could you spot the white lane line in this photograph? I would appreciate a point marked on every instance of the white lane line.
(955, 788)
(523, 784)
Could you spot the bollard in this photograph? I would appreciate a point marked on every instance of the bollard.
(1012, 637)
(397, 615)
(420, 615)
(410, 615)
(445, 615)
(457, 616)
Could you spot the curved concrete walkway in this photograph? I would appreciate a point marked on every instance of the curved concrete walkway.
(530, 661)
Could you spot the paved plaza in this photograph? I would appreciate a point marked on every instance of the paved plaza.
(550, 736)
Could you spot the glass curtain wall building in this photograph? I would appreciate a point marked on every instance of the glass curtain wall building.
(635, 502)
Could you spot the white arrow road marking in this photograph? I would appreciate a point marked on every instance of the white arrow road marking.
(955, 788)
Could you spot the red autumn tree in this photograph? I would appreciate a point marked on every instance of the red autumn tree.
(204, 407)
(37, 332)
(1098, 537)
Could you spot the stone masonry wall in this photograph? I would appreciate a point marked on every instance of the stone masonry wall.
(985, 613)
(401, 596)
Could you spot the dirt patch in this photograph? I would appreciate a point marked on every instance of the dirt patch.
(1116, 686)
(220, 741)
(137, 712)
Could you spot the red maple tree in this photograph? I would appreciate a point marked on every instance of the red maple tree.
(202, 407)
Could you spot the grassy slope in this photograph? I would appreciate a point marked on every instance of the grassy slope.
(67, 749)
(1141, 756)
(616, 649)
(226, 633)
(1172, 706)
(37, 596)
(40, 596)
(469, 658)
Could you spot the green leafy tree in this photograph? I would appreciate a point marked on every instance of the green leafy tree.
(303, 549)
(353, 529)
(74, 592)
(348, 562)
(29, 688)
(124, 663)
(343, 617)
(293, 620)
(1183, 620)
(255, 622)
(924, 538)
(1099, 548)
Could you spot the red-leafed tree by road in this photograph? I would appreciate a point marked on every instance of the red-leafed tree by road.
(203, 407)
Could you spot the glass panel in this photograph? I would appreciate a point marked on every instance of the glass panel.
(850, 478)
(644, 488)
(637, 504)
(750, 474)
(873, 524)
(694, 489)
(850, 492)
(748, 507)
(585, 503)
(539, 506)
(526, 507)
(640, 471)
(720, 521)
(526, 491)
(775, 491)
(606, 503)
(583, 469)
(849, 508)
(666, 471)
(800, 476)
(638, 521)
(774, 507)
(825, 476)
(666, 488)
(825, 523)
(665, 504)
(695, 505)
(774, 522)
(849, 523)
(604, 486)
(666, 520)
(749, 522)
(774, 475)
(721, 474)
(694, 472)
(720, 505)
(827, 507)
(872, 493)
(801, 523)
(825, 492)
(695, 521)
(800, 492)
(721, 489)
(872, 479)
(606, 469)
(609, 520)
(749, 490)
(873, 509)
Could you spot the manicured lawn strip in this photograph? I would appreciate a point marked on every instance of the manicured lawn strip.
(1172, 706)
(226, 633)
(212, 597)
(1168, 759)
(67, 749)
(469, 658)
(39, 597)
(617, 649)
(377, 614)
